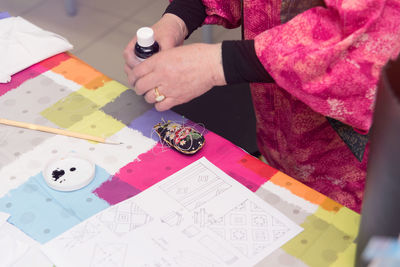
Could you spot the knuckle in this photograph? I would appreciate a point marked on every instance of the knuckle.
(139, 87)
(147, 97)
(162, 106)
(158, 107)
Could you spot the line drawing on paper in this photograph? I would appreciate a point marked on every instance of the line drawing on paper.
(218, 249)
(202, 218)
(161, 262)
(194, 259)
(195, 186)
(191, 231)
(109, 255)
(172, 218)
(234, 227)
(124, 217)
(249, 228)
(79, 235)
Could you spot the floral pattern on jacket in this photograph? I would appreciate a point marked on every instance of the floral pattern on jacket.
(326, 62)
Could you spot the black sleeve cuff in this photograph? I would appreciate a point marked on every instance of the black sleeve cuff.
(241, 64)
(192, 12)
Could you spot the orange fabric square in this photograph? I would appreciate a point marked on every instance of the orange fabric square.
(298, 188)
(257, 166)
(77, 71)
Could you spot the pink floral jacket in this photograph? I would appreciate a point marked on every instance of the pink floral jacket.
(326, 62)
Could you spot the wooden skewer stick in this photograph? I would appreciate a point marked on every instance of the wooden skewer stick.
(56, 131)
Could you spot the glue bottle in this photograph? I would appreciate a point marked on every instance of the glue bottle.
(145, 46)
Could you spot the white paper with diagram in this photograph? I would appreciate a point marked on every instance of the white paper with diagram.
(198, 216)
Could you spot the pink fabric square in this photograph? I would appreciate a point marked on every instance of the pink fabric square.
(161, 162)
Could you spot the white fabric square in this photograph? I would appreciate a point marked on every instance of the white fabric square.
(23, 44)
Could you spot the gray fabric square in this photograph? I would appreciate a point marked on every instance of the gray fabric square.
(293, 212)
(127, 107)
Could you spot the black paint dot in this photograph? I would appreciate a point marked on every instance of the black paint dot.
(20, 132)
(296, 211)
(28, 92)
(129, 170)
(129, 147)
(304, 241)
(288, 183)
(46, 231)
(60, 108)
(17, 154)
(54, 151)
(168, 168)
(92, 126)
(62, 89)
(346, 237)
(128, 104)
(24, 111)
(48, 199)
(8, 205)
(12, 177)
(243, 160)
(57, 174)
(89, 199)
(72, 169)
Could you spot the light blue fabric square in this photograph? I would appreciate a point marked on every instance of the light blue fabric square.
(44, 213)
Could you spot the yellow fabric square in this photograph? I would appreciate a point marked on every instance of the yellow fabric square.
(320, 244)
(69, 110)
(327, 247)
(313, 229)
(346, 258)
(104, 94)
(345, 220)
(98, 124)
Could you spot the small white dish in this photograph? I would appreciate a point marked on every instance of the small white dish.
(68, 173)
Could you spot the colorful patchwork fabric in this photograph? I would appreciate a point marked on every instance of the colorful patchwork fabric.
(183, 138)
(64, 92)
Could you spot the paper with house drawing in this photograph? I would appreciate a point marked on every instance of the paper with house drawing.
(198, 216)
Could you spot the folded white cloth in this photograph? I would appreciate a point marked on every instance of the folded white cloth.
(23, 44)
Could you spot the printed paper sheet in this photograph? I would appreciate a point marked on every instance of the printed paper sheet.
(198, 216)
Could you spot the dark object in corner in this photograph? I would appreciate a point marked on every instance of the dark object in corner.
(355, 141)
(380, 211)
